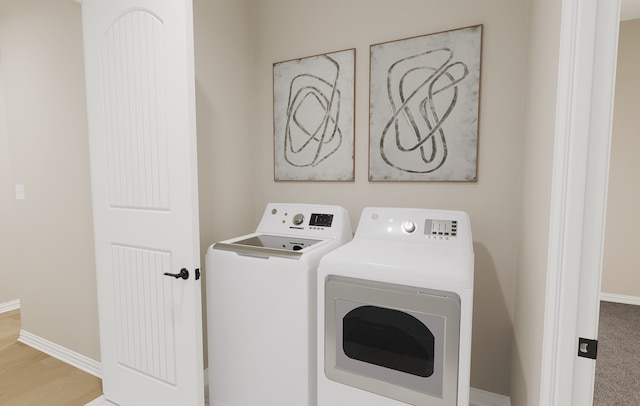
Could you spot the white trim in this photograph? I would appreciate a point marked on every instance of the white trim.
(567, 204)
(616, 298)
(578, 197)
(72, 358)
(9, 306)
(605, 50)
(478, 397)
(101, 401)
(56, 351)
(205, 375)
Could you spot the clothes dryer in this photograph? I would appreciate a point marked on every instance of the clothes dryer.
(395, 311)
(261, 306)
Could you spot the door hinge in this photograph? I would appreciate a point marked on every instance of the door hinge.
(587, 348)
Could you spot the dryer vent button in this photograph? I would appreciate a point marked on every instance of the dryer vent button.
(409, 226)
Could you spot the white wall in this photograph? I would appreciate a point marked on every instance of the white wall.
(542, 75)
(289, 29)
(224, 75)
(9, 290)
(48, 261)
(224, 91)
(621, 264)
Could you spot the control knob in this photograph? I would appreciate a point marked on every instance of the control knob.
(409, 226)
(298, 219)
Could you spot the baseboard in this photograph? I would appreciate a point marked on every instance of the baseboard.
(57, 351)
(9, 306)
(101, 401)
(616, 298)
(206, 386)
(478, 397)
(72, 358)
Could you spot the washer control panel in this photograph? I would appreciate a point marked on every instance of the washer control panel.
(315, 220)
(305, 220)
(321, 220)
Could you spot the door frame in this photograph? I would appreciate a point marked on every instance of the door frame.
(584, 111)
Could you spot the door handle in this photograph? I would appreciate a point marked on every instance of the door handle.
(184, 274)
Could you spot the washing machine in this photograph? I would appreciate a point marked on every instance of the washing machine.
(261, 306)
(395, 311)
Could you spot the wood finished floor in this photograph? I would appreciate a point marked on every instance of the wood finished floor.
(31, 378)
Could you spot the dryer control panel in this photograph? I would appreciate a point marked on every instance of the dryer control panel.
(443, 228)
(417, 225)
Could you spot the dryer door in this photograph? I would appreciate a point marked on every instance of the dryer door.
(397, 341)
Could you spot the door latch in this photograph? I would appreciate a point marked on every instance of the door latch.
(587, 348)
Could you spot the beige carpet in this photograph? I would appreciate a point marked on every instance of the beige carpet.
(618, 366)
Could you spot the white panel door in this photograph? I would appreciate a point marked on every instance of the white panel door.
(141, 108)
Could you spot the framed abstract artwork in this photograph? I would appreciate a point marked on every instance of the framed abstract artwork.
(424, 97)
(313, 117)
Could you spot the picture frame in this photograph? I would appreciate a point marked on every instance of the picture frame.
(424, 107)
(313, 117)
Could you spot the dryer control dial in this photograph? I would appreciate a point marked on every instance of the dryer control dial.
(298, 219)
(409, 226)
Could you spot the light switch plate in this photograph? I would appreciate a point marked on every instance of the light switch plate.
(20, 192)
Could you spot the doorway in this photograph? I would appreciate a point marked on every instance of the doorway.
(616, 372)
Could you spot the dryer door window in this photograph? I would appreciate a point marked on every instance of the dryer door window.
(397, 341)
(388, 338)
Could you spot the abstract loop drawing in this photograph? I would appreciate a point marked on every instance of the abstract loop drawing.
(312, 133)
(415, 129)
(313, 117)
(424, 107)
